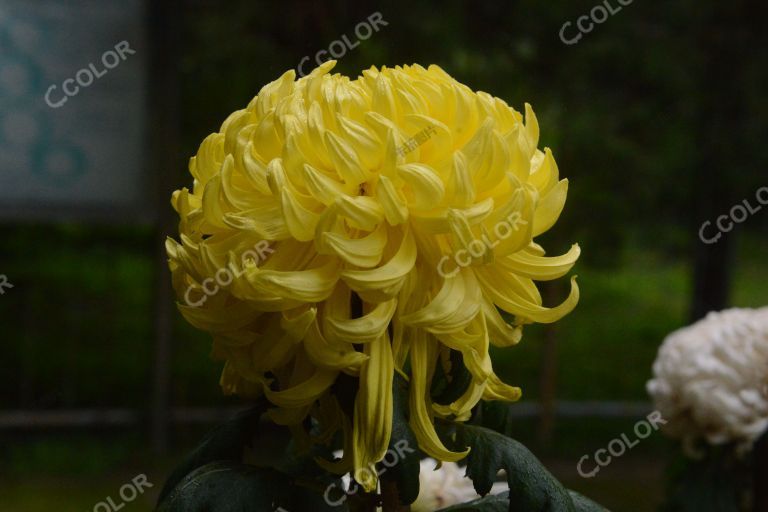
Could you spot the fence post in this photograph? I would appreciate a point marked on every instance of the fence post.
(164, 33)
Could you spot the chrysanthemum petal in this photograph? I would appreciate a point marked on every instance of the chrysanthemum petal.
(454, 306)
(373, 411)
(304, 393)
(362, 252)
(392, 201)
(420, 403)
(332, 355)
(539, 267)
(364, 329)
(345, 159)
(424, 189)
(311, 285)
(498, 287)
(382, 283)
(549, 208)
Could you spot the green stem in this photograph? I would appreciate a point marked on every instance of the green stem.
(391, 498)
(367, 502)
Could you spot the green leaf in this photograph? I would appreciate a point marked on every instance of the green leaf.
(223, 487)
(317, 495)
(226, 486)
(530, 484)
(495, 503)
(403, 447)
(224, 443)
(532, 487)
(584, 504)
(449, 388)
(311, 487)
(500, 503)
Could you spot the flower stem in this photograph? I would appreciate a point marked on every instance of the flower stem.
(391, 498)
(760, 475)
(367, 502)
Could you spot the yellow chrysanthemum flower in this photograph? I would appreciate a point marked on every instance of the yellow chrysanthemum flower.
(365, 227)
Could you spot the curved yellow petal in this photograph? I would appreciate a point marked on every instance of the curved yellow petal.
(550, 207)
(364, 329)
(497, 287)
(424, 188)
(501, 333)
(361, 212)
(304, 393)
(362, 252)
(382, 283)
(373, 412)
(392, 201)
(345, 160)
(311, 285)
(419, 404)
(331, 354)
(454, 306)
(541, 268)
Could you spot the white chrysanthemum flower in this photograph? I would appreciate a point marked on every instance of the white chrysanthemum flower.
(445, 486)
(438, 487)
(710, 379)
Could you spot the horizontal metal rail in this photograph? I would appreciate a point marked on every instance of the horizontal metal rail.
(30, 419)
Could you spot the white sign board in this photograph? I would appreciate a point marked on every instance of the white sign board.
(72, 109)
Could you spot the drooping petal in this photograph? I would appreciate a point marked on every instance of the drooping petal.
(539, 267)
(422, 365)
(499, 288)
(364, 329)
(304, 393)
(382, 283)
(373, 411)
(331, 354)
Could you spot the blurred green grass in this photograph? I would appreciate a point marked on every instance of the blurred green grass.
(69, 494)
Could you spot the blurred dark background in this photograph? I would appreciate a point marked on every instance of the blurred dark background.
(657, 116)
